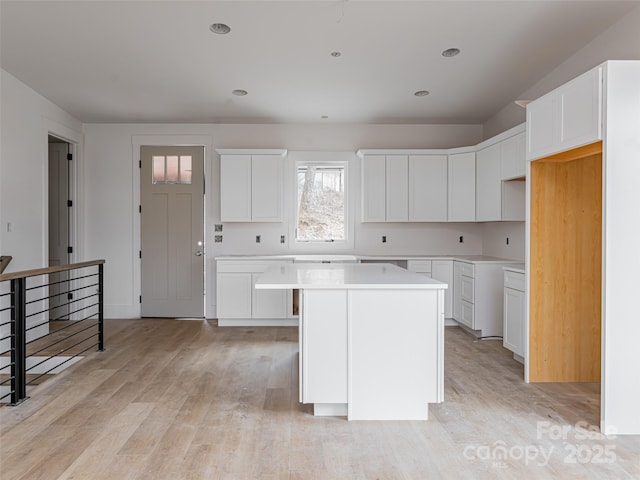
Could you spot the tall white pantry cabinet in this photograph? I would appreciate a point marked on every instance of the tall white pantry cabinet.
(588, 128)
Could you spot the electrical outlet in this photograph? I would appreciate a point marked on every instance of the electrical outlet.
(461, 239)
(384, 239)
(257, 238)
(217, 238)
(281, 238)
(217, 227)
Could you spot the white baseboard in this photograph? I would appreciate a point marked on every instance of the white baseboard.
(257, 322)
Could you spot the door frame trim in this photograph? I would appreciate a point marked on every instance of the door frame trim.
(138, 141)
(76, 189)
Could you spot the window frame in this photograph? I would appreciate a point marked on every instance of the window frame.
(327, 159)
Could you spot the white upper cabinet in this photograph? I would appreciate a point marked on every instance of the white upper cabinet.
(251, 186)
(461, 191)
(404, 187)
(568, 117)
(513, 157)
(235, 188)
(488, 184)
(266, 188)
(397, 187)
(428, 188)
(373, 188)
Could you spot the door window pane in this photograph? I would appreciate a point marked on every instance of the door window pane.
(185, 169)
(172, 169)
(158, 169)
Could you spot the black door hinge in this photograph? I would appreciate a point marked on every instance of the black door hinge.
(69, 203)
(140, 298)
(139, 208)
(69, 249)
(139, 163)
(69, 156)
(140, 253)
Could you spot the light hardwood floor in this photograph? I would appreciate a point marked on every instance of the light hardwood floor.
(184, 399)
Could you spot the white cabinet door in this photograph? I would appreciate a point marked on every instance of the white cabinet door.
(234, 295)
(373, 188)
(513, 157)
(513, 337)
(581, 110)
(428, 188)
(267, 303)
(488, 185)
(442, 270)
(467, 314)
(568, 117)
(457, 290)
(461, 191)
(235, 188)
(266, 188)
(397, 188)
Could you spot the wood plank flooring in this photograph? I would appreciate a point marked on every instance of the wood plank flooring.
(184, 399)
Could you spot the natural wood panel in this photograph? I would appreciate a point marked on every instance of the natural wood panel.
(565, 270)
(43, 271)
(228, 409)
(575, 154)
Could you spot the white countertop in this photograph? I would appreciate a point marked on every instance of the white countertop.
(349, 258)
(344, 275)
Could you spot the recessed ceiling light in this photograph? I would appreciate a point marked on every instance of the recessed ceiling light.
(336, 54)
(421, 93)
(451, 52)
(239, 92)
(324, 116)
(219, 28)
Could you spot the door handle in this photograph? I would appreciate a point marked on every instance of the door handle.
(198, 253)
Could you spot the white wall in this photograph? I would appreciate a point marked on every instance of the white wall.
(621, 41)
(111, 205)
(494, 240)
(26, 118)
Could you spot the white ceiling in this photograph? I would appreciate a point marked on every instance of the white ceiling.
(156, 61)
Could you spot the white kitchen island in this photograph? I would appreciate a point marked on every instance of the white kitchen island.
(371, 338)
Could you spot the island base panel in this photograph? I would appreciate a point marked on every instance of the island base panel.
(394, 357)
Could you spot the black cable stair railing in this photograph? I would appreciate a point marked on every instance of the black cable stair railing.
(49, 317)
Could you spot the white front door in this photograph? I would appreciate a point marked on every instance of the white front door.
(172, 231)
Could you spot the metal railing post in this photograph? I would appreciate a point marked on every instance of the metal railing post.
(18, 341)
(100, 308)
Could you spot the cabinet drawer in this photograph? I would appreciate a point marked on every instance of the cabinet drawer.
(467, 289)
(514, 280)
(466, 314)
(466, 269)
(419, 266)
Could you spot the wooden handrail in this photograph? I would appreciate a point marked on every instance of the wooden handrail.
(44, 271)
(4, 261)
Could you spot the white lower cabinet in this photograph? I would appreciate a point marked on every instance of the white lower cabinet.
(441, 270)
(514, 312)
(234, 295)
(477, 296)
(240, 304)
